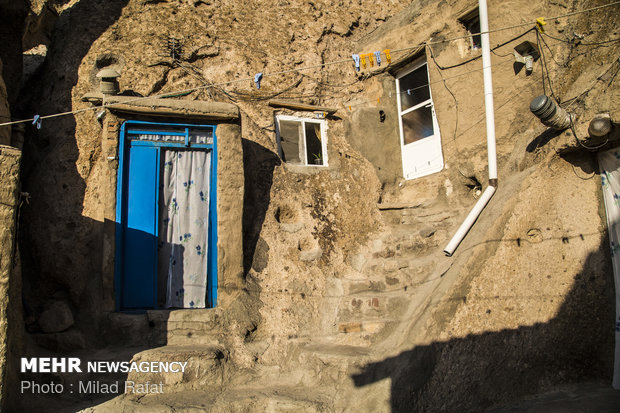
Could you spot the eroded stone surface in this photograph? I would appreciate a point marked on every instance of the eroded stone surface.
(380, 319)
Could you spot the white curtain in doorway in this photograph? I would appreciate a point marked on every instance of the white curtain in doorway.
(184, 222)
(609, 163)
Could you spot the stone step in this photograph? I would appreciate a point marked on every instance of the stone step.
(333, 362)
(414, 216)
(130, 329)
(391, 276)
(408, 245)
(373, 304)
(204, 365)
(187, 327)
(75, 385)
(164, 327)
(257, 397)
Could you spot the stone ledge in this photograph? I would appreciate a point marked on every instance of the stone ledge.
(173, 107)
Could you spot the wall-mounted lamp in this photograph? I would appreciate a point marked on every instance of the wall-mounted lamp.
(526, 54)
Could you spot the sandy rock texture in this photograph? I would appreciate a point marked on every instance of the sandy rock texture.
(9, 272)
(345, 300)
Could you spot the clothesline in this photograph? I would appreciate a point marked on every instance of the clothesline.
(37, 118)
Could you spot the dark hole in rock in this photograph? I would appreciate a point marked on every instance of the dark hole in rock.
(286, 215)
(474, 184)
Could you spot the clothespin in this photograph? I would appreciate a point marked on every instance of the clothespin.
(370, 60)
(540, 22)
(378, 58)
(356, 60)
(409, 91)
(37, 121)
(387, 56)
(257, 78)
(363, 57)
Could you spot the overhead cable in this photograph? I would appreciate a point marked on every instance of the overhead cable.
(320, 65)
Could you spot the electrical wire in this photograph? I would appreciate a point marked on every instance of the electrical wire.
(580, 141)
(579, 98)
(580, 43)
(581, 177)
(510, 27)
(545, 67)
(480, 56)
(300, 69)
(503, 62)
(456, 103)
(548, 48)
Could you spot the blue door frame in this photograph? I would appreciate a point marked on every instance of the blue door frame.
(138, 193)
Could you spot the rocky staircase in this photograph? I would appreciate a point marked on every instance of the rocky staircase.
(165, 327)
(186, 336)
(389, 283)
(378, 293)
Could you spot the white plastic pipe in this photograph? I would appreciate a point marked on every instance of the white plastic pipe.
(490, 122)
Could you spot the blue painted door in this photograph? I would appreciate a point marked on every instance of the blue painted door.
(139, 283)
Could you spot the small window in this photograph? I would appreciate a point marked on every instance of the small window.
(301, 141)
(471, 21)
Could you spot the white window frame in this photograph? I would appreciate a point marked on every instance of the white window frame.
(302, 143)
(431, 145)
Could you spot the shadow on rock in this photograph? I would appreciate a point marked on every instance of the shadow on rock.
(474, 373)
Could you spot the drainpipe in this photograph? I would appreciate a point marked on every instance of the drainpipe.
(490, 121)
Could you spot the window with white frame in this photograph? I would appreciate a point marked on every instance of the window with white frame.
(419, 131)
(302, 141)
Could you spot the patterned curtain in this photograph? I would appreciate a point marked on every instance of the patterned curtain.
(184, 220)
(609, 163)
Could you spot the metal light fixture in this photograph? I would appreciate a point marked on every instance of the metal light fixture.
(525, 54)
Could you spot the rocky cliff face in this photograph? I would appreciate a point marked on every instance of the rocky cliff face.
(345, 266)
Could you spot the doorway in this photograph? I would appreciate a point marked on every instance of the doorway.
(166, 254)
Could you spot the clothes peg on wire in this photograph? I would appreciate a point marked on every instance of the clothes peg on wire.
(37, 121)
(356, 60)
(257, 78)
(388, 58)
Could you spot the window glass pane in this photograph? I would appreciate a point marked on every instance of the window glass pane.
(414, 88)
(201, 136)
(159, 138)
(473, 26)
(314, 148)
(204, 136)
(290, 132)
(417, 124)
